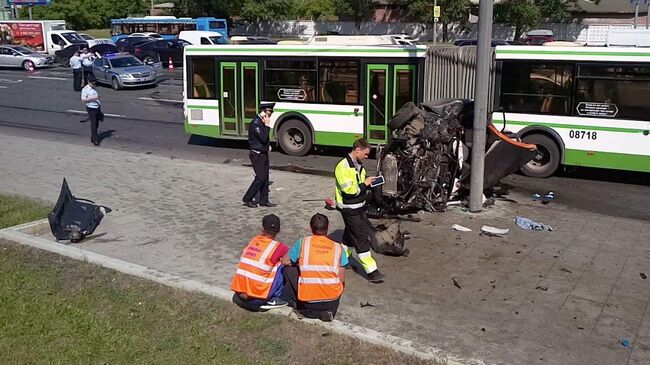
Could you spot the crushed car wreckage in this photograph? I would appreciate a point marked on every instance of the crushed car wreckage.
(426, 161)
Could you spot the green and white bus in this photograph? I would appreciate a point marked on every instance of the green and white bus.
(324, 95)
(582, 106)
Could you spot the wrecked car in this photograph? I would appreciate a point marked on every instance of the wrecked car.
(426, 161)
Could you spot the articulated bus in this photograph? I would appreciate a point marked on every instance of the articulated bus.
(581, 106)
(324, 95)
(167, 26)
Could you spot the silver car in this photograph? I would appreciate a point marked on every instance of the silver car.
(22, 57)
(122, 71)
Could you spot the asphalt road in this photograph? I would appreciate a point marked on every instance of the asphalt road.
(42, 105)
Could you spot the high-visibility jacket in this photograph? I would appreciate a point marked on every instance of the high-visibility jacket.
(350, 186)
(255, 272)
(319, 263)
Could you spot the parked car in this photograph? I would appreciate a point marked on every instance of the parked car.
(63, 56)
(539, 36)
(163, 49)
(146, 34)
(128, 44)
(201, 37)
(251, 40)
(22, 57)
(495, 42)
(122, 71)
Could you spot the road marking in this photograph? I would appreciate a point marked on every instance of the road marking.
(3, 87)
(106, 114)
(10, 81)
(48, 78)
(167, 100)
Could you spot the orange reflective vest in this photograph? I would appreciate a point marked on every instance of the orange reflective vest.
(320, 259)
(255, 272)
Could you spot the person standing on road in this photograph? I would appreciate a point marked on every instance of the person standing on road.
(87, 59)
(315, 286)
(90, 97)
(75, 64)
(351, 187)
(259, 144)
(258, 281)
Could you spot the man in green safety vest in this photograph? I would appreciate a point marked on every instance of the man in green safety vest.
(351, 187)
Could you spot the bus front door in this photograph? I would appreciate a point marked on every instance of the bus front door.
(388, 88)
(239, 98)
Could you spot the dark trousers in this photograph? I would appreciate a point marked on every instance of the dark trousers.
(357, 232)
(93, 117)
(290, 294)
(260, 162)
(88, 74)
(255, 304)
(76, 79)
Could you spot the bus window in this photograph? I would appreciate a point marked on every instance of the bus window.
(153, 28)
(203, 75)
(217, 25)
(404, 88)
(338, 81)
(543, 88)
(623, 88)
(175, 29)
(165, 28)
(293, 81)
(116, 29)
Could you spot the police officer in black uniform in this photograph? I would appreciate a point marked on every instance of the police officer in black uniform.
(259, 144)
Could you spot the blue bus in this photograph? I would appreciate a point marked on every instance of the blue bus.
(167, 26)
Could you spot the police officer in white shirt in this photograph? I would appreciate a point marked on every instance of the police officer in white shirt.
(75, 64)
(90, 97)
(87, 59)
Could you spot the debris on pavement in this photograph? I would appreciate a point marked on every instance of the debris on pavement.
(643, 276)
(493, 231)
(426, 161)
(548, 197)
(536, 197)
(539, 287)
(625, 342)
(528, 224)
(456, 283)
(459, 228)
(566, 270)
(366, 304)
(74, 218)
(387, 238)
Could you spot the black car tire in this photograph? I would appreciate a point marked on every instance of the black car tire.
(403, 115)
(547, 160)
(115, 83)
(295, 138)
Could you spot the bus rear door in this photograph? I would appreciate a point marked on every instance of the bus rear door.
(239, 96)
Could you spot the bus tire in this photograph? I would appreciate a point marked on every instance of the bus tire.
(548, 156)
(294, 137)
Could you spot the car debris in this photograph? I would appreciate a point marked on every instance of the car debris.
(426, 161)
(459, 228)
(387, 238)
(493, 231)
(530, 225)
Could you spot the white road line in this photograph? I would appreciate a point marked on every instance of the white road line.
(106, 114)
(48, 78)
(2, 87)
(167, 100)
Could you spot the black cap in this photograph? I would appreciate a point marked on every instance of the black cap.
(267, 106)
(271, 223)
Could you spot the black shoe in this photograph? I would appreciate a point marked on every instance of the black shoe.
(376, 277)
(83, 121)
(250, 204)
(268, 204)
(96, 143)
(326, 316)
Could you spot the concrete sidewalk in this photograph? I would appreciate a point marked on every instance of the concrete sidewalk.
(562, 297)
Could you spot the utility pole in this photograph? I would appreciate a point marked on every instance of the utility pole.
(29, 10)
(481, 92)
(435, 22)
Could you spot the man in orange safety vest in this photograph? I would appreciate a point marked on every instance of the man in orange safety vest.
(314, 283)
(258, 280)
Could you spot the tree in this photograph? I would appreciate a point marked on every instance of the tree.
(452, 11)
(521, 14)
(80, 14)
(358, 10)
(314, 9)
(558, 10)
(198, 8)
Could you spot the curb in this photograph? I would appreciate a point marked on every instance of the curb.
(16, 234)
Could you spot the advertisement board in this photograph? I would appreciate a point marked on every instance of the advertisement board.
(29, 2)
(26, 34)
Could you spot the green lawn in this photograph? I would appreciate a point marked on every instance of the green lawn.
(97, 33)
(57, 310)
(14, 210)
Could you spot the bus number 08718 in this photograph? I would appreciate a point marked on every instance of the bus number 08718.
(582, 135)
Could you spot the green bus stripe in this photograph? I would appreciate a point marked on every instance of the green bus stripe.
(572, 53)
(576, 126)
(324, 112)
(203, 107)
(621, 161)
(310, 50)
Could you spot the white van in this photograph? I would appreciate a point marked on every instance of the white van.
(201, 37)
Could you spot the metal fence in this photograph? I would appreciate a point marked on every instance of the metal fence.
(450, 72)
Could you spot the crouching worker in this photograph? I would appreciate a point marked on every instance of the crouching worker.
(258, 281)
(315, 286)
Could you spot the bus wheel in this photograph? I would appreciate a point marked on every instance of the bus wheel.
(294, 138)
(547, 159)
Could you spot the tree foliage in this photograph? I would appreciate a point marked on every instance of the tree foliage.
(198, 8)
(452, 11)
(522, 14)
(85, 14)
(357, 10)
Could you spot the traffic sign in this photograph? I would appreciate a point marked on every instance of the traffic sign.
(436, 12)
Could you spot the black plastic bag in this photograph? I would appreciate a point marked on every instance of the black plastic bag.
(74, 218)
